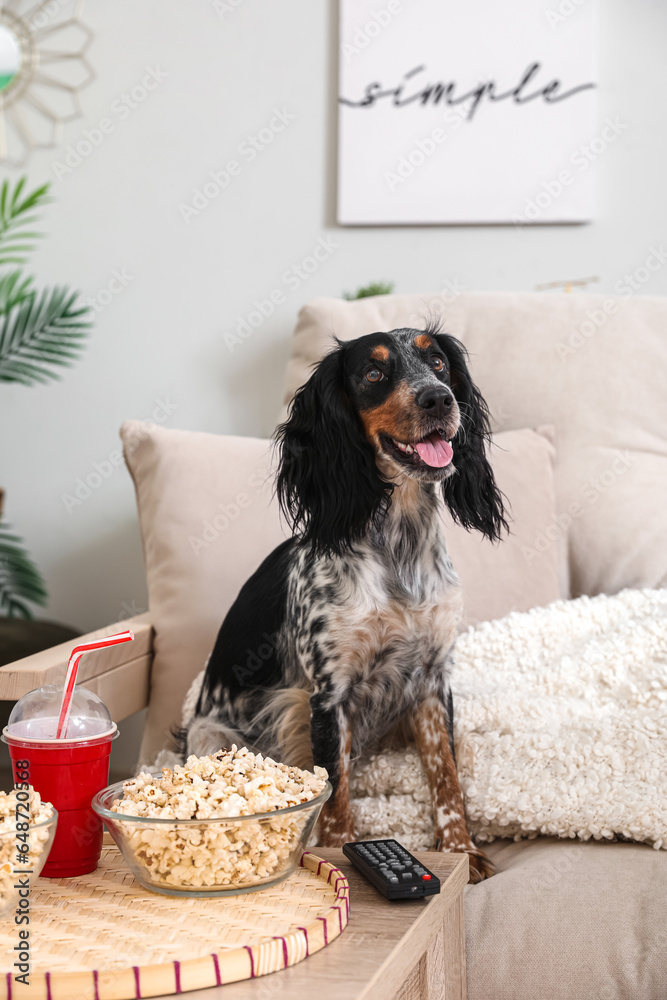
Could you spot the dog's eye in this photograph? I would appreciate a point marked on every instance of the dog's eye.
(437, 364)
(374, 375)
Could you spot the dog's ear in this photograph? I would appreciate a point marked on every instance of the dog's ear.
(328, 483)
(471, 494)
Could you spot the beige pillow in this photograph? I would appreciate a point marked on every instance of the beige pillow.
(207, 520)
(593, 366)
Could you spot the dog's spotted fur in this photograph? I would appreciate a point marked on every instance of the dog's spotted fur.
(359, 611)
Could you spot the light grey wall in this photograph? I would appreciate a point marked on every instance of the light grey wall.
(158, 346)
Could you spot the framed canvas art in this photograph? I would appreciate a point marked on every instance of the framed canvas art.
(479, 112)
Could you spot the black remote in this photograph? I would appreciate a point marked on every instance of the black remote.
(391, 869)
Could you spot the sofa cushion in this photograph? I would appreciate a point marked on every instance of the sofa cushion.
(567, 920)
(592, 366)
(208, 519)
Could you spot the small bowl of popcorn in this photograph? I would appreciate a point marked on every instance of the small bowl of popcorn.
(27, 829)
(220, 825)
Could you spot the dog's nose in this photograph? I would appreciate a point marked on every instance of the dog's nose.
(437, 399)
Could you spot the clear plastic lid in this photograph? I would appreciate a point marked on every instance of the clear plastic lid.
(35, 716)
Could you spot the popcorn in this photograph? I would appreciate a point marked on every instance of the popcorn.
(12, 859)
(229, 783)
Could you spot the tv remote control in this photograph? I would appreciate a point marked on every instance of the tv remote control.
(391, 869)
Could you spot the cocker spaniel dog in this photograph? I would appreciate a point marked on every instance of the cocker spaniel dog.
(358, 612)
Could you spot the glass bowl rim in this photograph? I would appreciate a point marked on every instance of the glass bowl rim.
(35, 826)
(111, 814)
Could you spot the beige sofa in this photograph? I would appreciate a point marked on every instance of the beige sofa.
(576, 388)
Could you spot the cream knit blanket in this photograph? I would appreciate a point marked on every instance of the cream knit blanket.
(560, 729)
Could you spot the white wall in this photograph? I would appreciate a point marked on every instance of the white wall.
(161, 338)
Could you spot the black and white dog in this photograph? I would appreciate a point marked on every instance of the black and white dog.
(362, 604)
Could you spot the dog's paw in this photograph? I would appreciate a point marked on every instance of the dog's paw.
(480, 867)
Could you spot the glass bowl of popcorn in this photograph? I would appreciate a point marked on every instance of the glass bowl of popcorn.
(27, 829)
(220, 825)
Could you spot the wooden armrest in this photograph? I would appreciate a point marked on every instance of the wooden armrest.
(120, 675)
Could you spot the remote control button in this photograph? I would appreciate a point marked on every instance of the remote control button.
(419, 871)
(407, 876)
(426, 878)
(393, 880)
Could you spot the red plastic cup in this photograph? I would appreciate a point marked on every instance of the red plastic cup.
(67, 773)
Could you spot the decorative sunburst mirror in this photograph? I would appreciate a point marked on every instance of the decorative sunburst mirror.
(43, 67)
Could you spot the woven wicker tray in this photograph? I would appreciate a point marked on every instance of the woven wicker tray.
(105, 937)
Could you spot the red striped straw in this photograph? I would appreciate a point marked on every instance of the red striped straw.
(73, 667)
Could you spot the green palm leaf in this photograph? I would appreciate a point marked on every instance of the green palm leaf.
(14, 288)
(17, 212)
(20, 580)
(41, 333)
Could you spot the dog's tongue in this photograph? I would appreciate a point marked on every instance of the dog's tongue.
(435, 451)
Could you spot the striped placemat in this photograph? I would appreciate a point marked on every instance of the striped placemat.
(104, 937)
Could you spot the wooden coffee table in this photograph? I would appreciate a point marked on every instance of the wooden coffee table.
(408, 950)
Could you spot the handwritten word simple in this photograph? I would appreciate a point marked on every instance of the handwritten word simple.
(435, 93)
